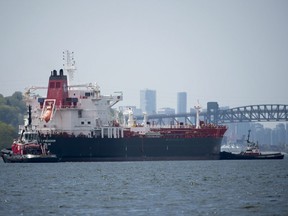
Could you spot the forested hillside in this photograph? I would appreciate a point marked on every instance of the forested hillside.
(12, 110)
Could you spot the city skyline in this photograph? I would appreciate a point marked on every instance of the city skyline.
(210, 107)
(269, 139)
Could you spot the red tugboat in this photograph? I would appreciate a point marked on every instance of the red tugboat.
(252, 152)
(78, 123)
(27, 148)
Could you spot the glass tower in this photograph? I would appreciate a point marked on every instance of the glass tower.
(148, 101)
(181, 104)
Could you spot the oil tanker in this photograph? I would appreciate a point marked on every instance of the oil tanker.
(78, 123)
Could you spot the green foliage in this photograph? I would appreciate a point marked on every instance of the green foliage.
(16, 100)
(7, 134)
(12, 110)
(2, 99)
(9, 115)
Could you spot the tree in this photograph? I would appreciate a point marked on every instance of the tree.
(7, 134)
(16, 100)
(12, 110)
(2, 99)
(9, 115)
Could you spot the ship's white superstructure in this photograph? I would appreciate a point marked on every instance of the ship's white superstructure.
(73, 109)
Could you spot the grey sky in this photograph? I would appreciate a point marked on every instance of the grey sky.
(233, 52)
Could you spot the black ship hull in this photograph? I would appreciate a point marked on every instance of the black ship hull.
(133, 148)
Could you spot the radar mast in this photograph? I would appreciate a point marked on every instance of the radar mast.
(198, 110)
(69, 65)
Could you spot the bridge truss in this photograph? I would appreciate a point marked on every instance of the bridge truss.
(257, 113)
(251, 113)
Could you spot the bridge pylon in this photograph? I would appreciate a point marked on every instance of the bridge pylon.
(212, 112)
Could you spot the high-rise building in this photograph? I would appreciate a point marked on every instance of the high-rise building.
(148, 101)
(181, 104)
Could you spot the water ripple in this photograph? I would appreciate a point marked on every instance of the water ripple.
(145, 188)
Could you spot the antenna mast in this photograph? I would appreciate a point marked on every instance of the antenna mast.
(198, 110)
(69, 65)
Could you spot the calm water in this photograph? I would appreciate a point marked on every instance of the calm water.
(145, 188)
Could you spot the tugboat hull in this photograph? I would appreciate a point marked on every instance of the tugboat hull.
(231, 156)
(9, 157)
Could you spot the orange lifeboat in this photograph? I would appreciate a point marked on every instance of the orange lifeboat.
(47, 114)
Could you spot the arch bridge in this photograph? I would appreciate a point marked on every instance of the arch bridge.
(256, 113)
(250, 113)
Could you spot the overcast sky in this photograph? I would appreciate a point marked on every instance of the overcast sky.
(232, 52)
